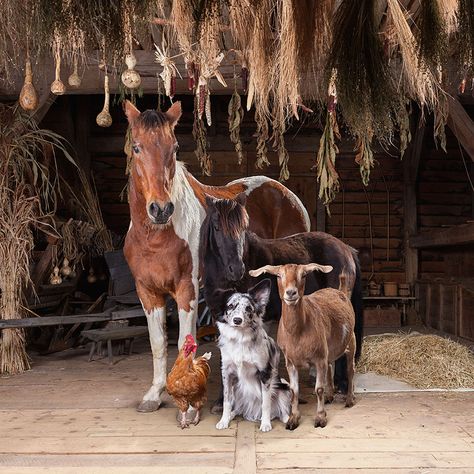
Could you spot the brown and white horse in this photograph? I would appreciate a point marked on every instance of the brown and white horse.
(167, 209)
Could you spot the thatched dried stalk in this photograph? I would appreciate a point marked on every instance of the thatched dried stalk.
(262, 138)
(236, 115)
(466, 33)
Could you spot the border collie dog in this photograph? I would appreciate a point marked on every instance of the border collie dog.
(250, 359)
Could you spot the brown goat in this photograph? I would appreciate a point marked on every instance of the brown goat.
(314, 331)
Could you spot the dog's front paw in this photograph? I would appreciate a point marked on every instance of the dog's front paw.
(265, 426)
(222, 424)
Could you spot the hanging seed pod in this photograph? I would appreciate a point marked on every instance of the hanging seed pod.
(58, 87)
(104, 119)
(28, 95)
(91, 278)
(74, 80)
(191, 72)
(55, 278)
(130, 77)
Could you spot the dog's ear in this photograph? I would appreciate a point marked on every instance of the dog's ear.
(221, 297)
(260, 293)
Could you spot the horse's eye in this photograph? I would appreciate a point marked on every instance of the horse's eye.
(176, 148)
(216, 227)
(135, 149)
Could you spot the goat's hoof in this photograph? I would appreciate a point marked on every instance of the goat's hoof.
(148, 406)
(292, 424)
(320, 421)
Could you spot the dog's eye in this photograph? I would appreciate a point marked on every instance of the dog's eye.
(230, 307)
(248, 308)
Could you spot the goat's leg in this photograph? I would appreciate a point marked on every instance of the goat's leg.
(329, 390)
(350, 356)
(294, 419)
(322, 370)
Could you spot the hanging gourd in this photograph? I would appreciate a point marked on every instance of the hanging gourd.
(130, 77)
(66, 269)
(91, 278)
(74, 80)
(28, 94)
(55, 278)
(58, 87)
(104, 119)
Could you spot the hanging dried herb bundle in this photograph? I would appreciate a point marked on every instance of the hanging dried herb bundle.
(364, 157)
(200, 136)
(466, 32)
(433, 32)
(262, 138)
(236, 115)
(326, 162)
(278, 138)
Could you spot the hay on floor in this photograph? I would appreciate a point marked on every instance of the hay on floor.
(424, 361)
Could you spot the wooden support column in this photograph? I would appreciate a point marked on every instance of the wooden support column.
(411, 161)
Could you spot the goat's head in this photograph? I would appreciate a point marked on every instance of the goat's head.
(291, 278)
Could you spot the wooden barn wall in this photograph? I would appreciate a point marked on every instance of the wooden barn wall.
(443, 194)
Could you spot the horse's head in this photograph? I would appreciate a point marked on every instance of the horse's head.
(154, 149)
(223, 236)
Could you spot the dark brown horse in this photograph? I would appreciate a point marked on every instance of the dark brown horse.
(167, 209)
(227, 242)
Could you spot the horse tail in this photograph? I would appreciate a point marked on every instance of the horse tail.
(357, 303)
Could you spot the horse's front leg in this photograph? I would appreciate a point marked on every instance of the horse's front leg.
(187, 296)
(155, 311)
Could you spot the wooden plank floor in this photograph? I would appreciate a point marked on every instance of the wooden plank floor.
(67, 415)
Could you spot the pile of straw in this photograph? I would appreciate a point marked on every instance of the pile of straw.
(424, 361)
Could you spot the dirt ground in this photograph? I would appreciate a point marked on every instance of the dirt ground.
(68, 415)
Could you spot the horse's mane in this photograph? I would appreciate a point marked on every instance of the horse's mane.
(233, 217)
(151, 119)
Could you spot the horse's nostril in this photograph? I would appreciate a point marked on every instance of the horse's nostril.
(231, 269)
(237, 321)
(169, 208)
(154, 209)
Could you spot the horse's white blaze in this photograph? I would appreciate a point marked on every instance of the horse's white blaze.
(156, 320)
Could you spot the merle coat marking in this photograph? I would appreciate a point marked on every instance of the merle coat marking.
(250, 359)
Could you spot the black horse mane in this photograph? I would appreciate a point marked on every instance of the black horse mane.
(233, 218)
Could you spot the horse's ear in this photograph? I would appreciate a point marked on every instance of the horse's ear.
(173, 114)
(130, 111)
(260, 293)
(312, 267)
(241, 199)
(272, 269)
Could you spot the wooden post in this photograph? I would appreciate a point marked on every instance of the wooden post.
(411, 162)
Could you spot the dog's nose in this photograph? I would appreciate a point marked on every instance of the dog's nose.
(291, 293)
(237, 321)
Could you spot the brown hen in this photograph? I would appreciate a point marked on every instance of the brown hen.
(187, 381)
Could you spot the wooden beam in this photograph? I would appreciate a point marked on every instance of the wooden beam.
(461, 125)
(411, 162)
(456, 235)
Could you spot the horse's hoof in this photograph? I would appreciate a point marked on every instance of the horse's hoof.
(350, 403)
(216, 409)
(148, 406)
(320, 421)
(292, 424)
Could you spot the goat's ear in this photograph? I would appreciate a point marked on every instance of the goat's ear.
(260, 293)
(130, 111)
(173, 114)
(273, 270)
(313, 267)
(241, 199)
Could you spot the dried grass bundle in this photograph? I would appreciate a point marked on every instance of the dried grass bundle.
(364, 156)
(18, 214)
(433, 32)
(263, 135)
(424, 361)
(200, 136)
(466, 32)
